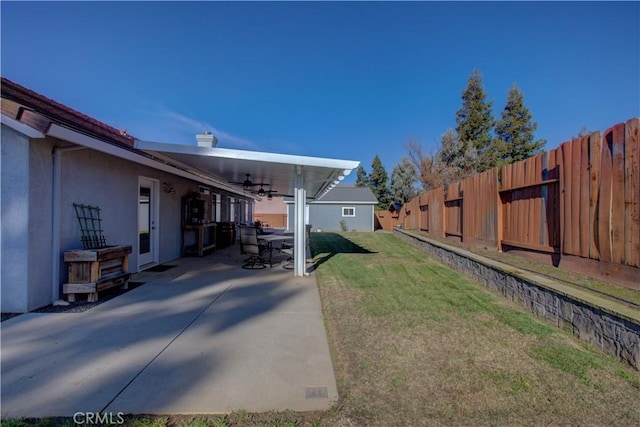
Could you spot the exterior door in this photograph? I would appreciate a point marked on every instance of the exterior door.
(147, 222)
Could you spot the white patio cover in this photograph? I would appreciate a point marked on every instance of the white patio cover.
(298, 176)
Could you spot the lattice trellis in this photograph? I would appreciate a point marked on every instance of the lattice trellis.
(90, 224)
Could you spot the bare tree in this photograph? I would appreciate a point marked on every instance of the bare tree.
(427, 165)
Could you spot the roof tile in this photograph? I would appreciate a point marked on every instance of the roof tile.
(349, 193)
(62, 114)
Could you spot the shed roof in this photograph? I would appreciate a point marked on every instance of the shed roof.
(346, 193)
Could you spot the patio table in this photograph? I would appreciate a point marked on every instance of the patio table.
(269, 239)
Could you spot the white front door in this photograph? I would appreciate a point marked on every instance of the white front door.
(147, 221)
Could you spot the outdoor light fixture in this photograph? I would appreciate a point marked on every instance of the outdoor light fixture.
(168, 188)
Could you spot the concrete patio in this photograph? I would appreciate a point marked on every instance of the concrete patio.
(204, 337)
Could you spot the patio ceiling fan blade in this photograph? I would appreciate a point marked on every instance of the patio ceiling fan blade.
(246, 183)
(269, 193)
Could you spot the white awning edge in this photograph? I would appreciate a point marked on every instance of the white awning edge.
(257, 156)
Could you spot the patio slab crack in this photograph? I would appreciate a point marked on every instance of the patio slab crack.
(195, 318)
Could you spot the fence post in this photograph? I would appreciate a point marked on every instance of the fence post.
(500, 213)
(604, 199)
(561, 188)
(443, 214)
(632, 193)
(595, 149)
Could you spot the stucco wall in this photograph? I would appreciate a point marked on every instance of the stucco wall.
(98, 179)
(92, 178)
(87, 177)
(274, 206)
(14, 224)
(40, 228)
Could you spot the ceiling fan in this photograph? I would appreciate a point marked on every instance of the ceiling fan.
(247, 184)
(261, 192)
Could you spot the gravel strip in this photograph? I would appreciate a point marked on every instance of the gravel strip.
(79, 306)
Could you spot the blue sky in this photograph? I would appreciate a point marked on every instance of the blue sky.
(345, 80)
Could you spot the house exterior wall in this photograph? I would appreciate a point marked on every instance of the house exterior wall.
(327, 216)
(88, 177)
(271, 212)
(99, 179)
(40, 227)
(93, 178)
(14, 224)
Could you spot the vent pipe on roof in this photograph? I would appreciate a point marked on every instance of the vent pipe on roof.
(206, 139)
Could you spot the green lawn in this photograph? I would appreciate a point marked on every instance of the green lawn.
(579, 281)
(415, 343)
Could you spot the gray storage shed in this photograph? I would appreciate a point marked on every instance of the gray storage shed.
(345, 205)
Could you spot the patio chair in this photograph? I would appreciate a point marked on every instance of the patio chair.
(249, 245)
(287, 249)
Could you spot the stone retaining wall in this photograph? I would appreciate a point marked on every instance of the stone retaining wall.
(614, 333)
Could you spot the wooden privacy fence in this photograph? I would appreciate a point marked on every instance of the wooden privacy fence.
(384, 220)
(529, 199)
(581, 199)
(453, 210)
(600, 204)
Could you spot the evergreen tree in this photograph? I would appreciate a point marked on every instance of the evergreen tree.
(453, 161)
(379, 182)
(584, 131)
(362, 177)
(515, 130)
(475, 122)
(451, 149)
(403, 177)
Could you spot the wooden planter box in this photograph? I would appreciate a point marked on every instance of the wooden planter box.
(94, 270)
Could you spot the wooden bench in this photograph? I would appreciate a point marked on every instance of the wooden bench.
(95, 270)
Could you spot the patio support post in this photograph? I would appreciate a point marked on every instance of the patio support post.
(299, 252)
